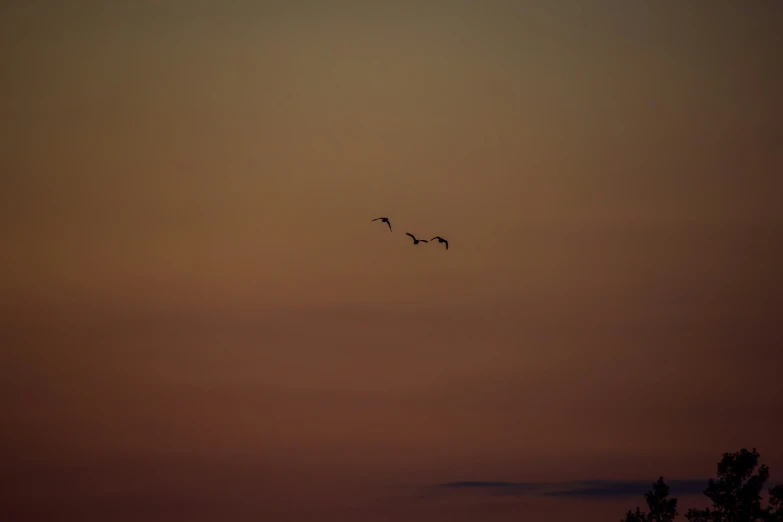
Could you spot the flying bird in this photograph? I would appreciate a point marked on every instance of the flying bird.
(441, 240)
(415, 241)
(384, 220)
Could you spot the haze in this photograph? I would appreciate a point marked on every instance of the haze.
(200, 322)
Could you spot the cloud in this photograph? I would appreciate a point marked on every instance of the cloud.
(603, 488)
(584, 489)
(498, 488)
(480, 484)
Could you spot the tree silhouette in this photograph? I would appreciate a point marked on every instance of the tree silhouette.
(736, 495)
(775, 509)
(662, 509)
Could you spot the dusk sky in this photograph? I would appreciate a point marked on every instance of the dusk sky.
(199, 321)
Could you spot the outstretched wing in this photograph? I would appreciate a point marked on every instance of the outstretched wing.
(409, 234)
(389, 223)
(376, 219)
(423, 240)
(436, 237)
(447, 244)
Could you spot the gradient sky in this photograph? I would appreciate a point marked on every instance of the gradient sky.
(198, 321)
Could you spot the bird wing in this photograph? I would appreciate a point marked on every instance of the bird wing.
(376, 219)
(409, 234)
(389, 223)
(436, 237)
(423, 240)
(447, 244)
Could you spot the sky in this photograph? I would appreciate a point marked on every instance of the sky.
(199, 320)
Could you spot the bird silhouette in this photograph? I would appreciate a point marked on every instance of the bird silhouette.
(441, 240)
(415, 241)
(384, 220)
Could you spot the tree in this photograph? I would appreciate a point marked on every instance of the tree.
(662, 509)
(775, 509)
(736, 495)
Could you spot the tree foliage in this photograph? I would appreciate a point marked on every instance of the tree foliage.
(776, 504)
(735, 495)
(661, 508)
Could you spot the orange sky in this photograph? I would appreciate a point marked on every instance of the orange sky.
(190, 281)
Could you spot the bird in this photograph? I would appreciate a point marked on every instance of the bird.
(441, 240)
(415, 241)
(384, 220)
